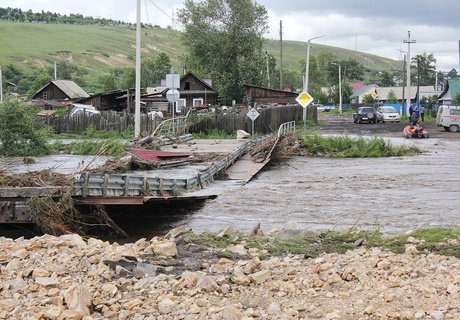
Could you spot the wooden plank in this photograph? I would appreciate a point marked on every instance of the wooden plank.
(244, 169)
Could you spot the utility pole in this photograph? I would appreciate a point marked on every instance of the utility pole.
(401, 112)
(55, 71)
(268, 68)
(281, 54)
(408, 41)
(436, 80)
(137, 109)
(1, 85)
(418, 82)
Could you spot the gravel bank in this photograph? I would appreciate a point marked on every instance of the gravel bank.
(68, 277)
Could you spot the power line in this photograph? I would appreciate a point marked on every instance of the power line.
(164, 12)
(146, 12)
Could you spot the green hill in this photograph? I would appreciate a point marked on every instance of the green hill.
(95, 50)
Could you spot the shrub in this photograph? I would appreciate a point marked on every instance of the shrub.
(21, 134)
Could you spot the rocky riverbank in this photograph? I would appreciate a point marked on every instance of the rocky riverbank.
(68, 277)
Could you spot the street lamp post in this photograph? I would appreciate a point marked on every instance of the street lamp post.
(307, 62)
(307, 66)
(340, 89)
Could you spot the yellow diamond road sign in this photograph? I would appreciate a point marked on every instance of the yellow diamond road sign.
(304, 99)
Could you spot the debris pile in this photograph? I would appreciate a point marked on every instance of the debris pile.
(41, 178)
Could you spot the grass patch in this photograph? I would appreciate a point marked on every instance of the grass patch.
(348, 147)
(111, 147)
(214, 134)
(444, 241)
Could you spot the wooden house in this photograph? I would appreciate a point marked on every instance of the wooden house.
(60, 90)
(451, 90)
(195, 92)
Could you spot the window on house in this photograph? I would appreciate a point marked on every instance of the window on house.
(197, 102)
(187, 85)
(180, 105)
(45, 95)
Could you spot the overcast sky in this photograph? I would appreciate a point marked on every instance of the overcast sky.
(376, 27)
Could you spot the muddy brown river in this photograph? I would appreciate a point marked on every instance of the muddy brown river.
(392, 194)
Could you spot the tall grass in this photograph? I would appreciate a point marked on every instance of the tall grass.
(112, 147)
(348, 147)
(214, 134)
(92, 133)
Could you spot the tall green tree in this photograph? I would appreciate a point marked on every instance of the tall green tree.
(386, 79)
(21, 134)
(155, 69)
(224, 39)
(392, 97)
(425, 67)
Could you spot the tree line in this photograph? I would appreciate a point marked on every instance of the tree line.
(18, 15)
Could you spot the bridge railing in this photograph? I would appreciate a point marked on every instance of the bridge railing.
(285, 128)
(113, 185)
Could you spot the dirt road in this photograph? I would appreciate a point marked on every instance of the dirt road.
(332, 123)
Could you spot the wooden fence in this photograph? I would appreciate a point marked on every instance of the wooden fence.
(268, 121)
(106, 120)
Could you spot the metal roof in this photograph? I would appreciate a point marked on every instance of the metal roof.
(451, 90)
(363, 90)
(424, 91)
(70, 88)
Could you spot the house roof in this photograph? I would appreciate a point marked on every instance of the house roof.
(70, 89)
(202, 81)
(363, 90)
(356, 86)
(451, 90)
(294, 94)
(424, 91)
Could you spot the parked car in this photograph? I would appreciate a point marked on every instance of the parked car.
(367, 114)
(77, 108)
(388, 114)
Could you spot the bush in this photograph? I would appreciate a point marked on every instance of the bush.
(348, 147)
(21, 134)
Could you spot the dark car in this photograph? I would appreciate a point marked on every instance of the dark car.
(365, 114)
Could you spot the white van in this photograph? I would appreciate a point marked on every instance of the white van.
(449, 118)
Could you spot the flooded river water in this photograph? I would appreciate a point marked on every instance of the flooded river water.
(313, 193)
(393, 194)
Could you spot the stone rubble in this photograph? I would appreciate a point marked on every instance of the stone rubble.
(67, 277)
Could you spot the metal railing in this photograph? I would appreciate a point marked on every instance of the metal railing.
(171, 127)
(285, 128)
(110, 185)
